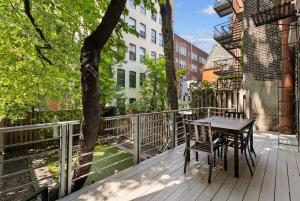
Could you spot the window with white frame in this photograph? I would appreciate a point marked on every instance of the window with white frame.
(142, 30)
(132, 23)
(142, 55)
(153, 16)
(194, 68)
(160, 19)
(194, 56)
(183, 51)
(182, 64)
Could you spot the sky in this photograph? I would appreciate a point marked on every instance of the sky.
(195, 21)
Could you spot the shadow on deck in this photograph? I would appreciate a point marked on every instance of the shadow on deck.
(276, 177)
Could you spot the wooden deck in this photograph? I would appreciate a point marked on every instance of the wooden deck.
(276, 178)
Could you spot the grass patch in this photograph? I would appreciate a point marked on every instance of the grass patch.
(105, 163)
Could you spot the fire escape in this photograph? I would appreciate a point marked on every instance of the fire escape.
(229, 35)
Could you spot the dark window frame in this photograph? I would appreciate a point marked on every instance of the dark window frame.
(132, 83)
(121, 82)
(132, 55)
(153, 37)
(143, 33)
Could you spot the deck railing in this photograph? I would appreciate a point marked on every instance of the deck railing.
(126, 140)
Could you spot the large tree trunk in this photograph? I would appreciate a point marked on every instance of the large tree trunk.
(90, 57)
(167, 30)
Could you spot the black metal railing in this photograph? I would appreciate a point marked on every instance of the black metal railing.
(223, 31)
(273, 14)
(223, 7)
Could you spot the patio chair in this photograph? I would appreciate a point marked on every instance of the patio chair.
(244, 146)
(201, 139)
(237, 115)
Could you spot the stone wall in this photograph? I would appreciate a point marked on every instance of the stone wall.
(262, 66)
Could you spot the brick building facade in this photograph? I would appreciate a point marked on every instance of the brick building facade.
(262, 66)
(189, 56)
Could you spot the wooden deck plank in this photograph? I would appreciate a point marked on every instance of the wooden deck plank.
(282, 184)
(224, 180)
(241, 187)
(268, 187)
(162, 178)
(254, 188)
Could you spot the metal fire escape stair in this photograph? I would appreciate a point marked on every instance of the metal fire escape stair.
(223, 7)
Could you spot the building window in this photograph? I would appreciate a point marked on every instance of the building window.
(132, 79)
(142, 78)
(182, 51)
(153, 16)
(121, 77)
(153, 55)
(182, 64)
(153, 36)
(131, 3)
(132, 100)
(160, 19)
(132, 23)
(142, 9)
(161, 40)
(142, 55)
(177, 47)
(142, 30)
(132, 52)
(194, 56)
(194, 68)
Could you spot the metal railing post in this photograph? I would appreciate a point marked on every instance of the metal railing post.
(63, 139)
(208, 112)
(137, 143)
(69, 158)
(174, 129)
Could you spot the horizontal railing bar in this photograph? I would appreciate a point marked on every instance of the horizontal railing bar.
(30, 156)
(24, 185)
(155, 141)
(31, 142)
(93, 172)
(101, 159)
(35, 126)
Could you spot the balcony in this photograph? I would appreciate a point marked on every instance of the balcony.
(223, 7)
(276, 177)
(278, 12)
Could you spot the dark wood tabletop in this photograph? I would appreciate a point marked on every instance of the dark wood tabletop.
(226, 123)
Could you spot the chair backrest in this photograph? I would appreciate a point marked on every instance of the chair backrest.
(249, 131)
(200, 133)
(237, 115)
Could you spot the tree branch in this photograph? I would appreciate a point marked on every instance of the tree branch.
(39, 32)
(109, 21)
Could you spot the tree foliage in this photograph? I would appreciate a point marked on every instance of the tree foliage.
(31, 77)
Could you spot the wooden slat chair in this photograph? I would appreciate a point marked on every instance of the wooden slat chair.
(201, 139)
(237, 115)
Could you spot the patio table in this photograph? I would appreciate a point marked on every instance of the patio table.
(231, 126)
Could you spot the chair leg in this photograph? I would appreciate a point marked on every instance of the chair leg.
(218, 152)
(250, 156)
(210, 169)
(197, 157)
(254, 153)
(245, 153)
(225, 157)
(214, 159)
(184, 152)
(185, 162)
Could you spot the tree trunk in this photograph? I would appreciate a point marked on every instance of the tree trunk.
(90, 57)
(167, 30)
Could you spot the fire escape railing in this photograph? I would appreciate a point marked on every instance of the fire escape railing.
(223, 32)
(273, 14)
(223, 7)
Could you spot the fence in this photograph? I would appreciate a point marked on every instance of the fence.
(126, 140)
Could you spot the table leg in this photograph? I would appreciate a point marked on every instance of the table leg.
(188, 151)
(236, 155)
